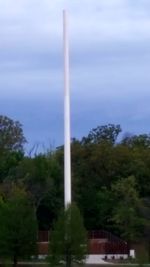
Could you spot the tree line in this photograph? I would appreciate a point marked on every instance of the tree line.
(110, 179)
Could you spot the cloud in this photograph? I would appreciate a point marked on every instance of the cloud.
(110, 58)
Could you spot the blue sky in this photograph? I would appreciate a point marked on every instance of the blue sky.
(109, 59)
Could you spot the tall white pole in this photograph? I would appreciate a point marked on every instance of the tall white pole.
(67, 145)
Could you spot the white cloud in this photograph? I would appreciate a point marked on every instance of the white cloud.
(107, 43)
(101, 20)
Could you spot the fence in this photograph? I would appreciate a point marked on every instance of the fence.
(99, 242)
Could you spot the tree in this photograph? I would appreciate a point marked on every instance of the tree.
(52, 199)
(93, 167)
(11, 146)
(18, 227)
(9, 162)
(68, 239)
(11, 135)
(104, 133)
(36, 177)
(126, 213)
(42, 178)
(105, 201)
(142, 140)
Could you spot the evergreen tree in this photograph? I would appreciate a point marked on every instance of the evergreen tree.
(68, 240)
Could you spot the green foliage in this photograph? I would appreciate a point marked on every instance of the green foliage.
(105, 133)
(11, 135)
(43, 179)
(68, 239)
(36, 177)
(99, 161)
(142, 140)
(18, 231)
(11, 146)
(127, 209)
(105, 200)
(9, 162)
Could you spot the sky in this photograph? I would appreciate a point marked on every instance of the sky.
(109, 66)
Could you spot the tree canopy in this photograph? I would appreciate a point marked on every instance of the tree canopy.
(11, 135)
(107, 173)
(18, 231)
